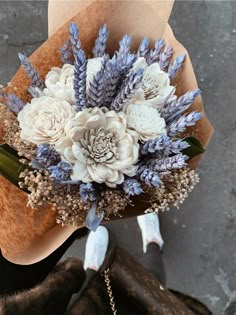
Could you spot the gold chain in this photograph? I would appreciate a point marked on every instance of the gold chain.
(109, 291)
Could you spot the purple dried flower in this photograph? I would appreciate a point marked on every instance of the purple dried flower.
(46, 155)
(175, 108)
(124, 58)
(132, 187)
(74, 38)
(35, 91)
(129, 62)
(183, 122)
(95, 92)
(112, 78)
(177, 146)
(150, 177)
(129, 87)
(93, 221)
(66, 54)
(167, 164)
(61, 171)
(143, 48)
(105, 60)
(164, 58)
(181, 105)
(100, 44)
(88, 192)
(175, 66)
(33, 75)
(80, 80)
(14, 103)
(155, 53)
(156, 145)
(125, 44)
(164, 146)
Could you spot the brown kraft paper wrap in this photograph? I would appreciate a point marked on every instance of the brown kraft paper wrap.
(20, 226)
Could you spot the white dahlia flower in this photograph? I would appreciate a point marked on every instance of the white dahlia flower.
(155, 86)
(44, 119)
(59, 83)
(143, 118)
(102, 149)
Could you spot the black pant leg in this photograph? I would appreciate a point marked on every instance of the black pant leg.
(152, 261)
(14, 278)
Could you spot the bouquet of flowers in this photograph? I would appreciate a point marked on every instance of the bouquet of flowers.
(100, 131)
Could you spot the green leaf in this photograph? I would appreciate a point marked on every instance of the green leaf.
(195, 148)
(9, 149)
(10, 166)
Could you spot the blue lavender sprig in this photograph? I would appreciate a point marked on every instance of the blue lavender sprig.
(124, 58)
(100, 43)
(32, 73)
(46, 155)
(129, 87)
(154, 54)
(175, 66)
(150, 177)
(95, 92)
(93, 221)
(156, 145)
(175, 108)
(14, 103)
(167, 164)
(124, 49)
(35, 91)
(181, 105)
(143, 48)
(74, 38)
(88, 192)
(164, 57)
(61, 171)
(132, 187)
(177, 146)
(66, 54)
(112, 78)
(183, 122)
(163, 145)
(80, 70)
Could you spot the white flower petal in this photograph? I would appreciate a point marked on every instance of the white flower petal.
(103, 145)
(59, 83)
(140, 63)
(44, 119)
(156, 86)
(80, 172)
(145, 120)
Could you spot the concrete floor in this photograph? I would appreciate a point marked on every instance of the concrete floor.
(200, 238)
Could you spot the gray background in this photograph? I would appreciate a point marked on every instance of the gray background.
(200, 238)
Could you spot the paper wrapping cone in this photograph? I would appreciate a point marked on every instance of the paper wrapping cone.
(21, 226)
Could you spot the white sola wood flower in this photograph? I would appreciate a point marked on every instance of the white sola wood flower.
(59, 81)
(44, 119)
(102, 149)
(145, 120)
(155, 86)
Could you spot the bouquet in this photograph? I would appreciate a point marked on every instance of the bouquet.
(99, 132)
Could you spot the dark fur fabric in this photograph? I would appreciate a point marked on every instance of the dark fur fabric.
(52, 296)
(93, 300)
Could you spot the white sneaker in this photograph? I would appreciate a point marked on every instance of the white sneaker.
(96, 248)
(150, 228)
